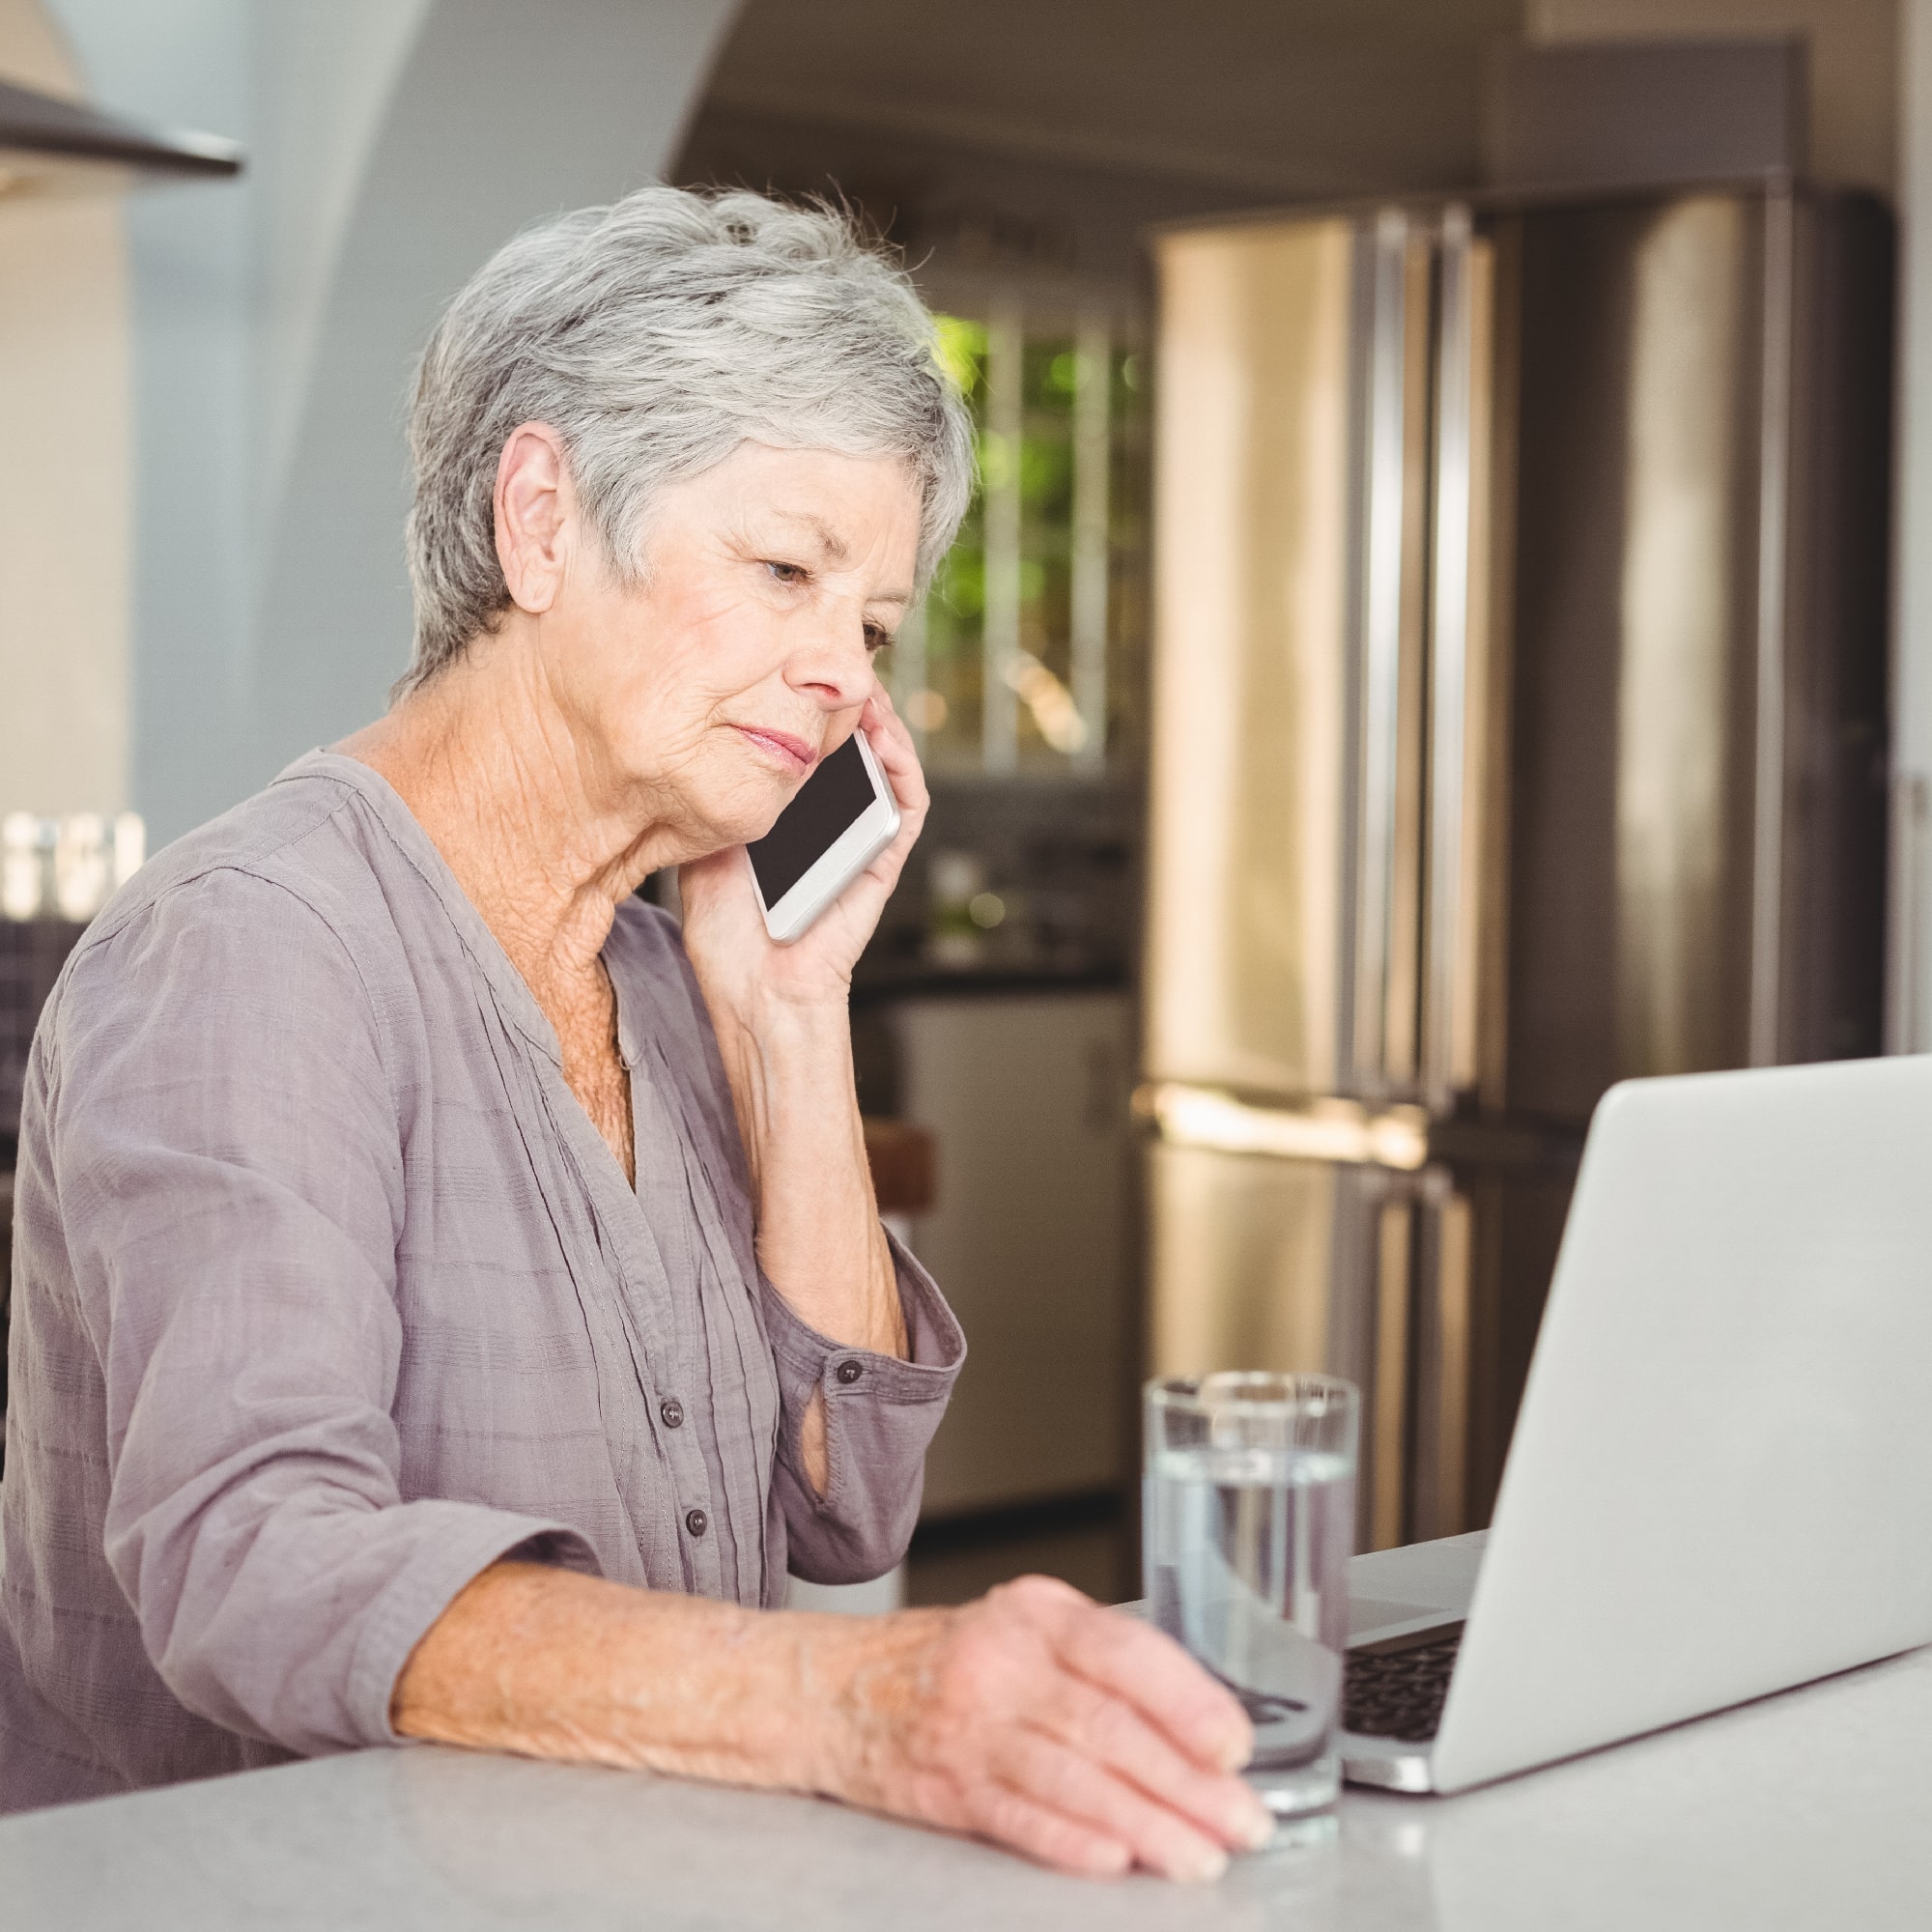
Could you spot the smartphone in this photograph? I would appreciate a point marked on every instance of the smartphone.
(844, 817)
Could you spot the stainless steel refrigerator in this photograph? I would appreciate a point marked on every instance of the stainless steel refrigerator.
(1518, 725)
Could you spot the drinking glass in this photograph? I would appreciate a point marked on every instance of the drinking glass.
(1250, 1518)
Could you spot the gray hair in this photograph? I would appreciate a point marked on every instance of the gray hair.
(655, 336)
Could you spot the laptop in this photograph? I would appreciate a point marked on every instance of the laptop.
(1720, 1480)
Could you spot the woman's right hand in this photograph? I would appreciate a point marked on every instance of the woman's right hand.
(1033, 1717)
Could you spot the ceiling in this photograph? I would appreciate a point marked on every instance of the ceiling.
(1285, 96)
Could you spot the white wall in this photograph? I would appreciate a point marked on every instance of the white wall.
(393, 144)
(207, 315)
(66, 509)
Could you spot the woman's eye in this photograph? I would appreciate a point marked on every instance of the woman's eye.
(878, 637)
(786, 572)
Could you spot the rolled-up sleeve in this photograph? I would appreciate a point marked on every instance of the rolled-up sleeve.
(229, 1158)
(880, 1414)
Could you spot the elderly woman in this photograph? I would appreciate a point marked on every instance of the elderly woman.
(449, 1298)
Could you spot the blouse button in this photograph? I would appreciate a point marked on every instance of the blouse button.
(849, 1373)
(696, 1522)
(673, 1411)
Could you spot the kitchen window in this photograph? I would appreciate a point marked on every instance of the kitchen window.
(1029, 653)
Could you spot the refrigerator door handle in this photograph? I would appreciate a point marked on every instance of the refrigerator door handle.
(1773, 490)
(1442, 1354)
(1327, 1127)
(1385, 513)
(1450, 820)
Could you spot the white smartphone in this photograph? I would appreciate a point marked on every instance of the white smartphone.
(844, 817)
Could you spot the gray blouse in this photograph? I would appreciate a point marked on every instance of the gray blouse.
(327, 1295)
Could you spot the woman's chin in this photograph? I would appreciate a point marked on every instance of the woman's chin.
(728, 831)
(744, 812)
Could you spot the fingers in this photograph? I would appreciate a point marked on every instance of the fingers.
(1111, 1734)
(1047, 1836)
(1153, 1674)
(1048, 1772)
(1073, 1735)
(893, 746)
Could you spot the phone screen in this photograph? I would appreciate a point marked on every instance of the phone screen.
(831, 800)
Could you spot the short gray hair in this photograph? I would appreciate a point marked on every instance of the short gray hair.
(655, 336)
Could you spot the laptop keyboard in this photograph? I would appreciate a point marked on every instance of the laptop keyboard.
(1399, 1693)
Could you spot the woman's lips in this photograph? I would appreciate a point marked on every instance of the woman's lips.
(781, 745)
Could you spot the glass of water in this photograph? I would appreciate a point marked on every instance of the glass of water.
(1250, 1519)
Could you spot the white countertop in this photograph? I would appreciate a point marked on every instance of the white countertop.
(1805, 1810)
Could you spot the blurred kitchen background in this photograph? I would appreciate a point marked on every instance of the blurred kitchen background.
(1441, 626)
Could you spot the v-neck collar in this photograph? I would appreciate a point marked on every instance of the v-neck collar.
(512, 990)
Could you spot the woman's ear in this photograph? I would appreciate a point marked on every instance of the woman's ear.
(534, 511)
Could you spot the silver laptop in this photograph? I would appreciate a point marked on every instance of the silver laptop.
(1720, 1480)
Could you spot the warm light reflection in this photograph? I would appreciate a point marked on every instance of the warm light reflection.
(1677, 596)
(926, 710)
(1250, 653)
(1049, 701)
(1326, 1129)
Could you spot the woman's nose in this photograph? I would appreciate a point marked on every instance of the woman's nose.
(834, 666)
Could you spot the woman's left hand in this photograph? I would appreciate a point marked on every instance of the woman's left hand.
(737, 961)
(784, 1034)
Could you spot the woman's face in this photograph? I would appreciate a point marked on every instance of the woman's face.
(706, 693)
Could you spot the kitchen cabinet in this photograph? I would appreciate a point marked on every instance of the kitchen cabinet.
(1026, 1097)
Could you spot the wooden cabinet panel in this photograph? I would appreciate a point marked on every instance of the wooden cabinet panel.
(1026, 1097)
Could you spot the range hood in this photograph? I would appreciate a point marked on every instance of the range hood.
(53, 146)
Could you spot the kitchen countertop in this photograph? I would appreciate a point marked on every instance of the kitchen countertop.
(1803, 1811)
(913, 980)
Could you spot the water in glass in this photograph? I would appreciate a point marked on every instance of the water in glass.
(1247, 1545)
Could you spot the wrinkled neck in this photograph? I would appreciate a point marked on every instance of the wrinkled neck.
(540, 834)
